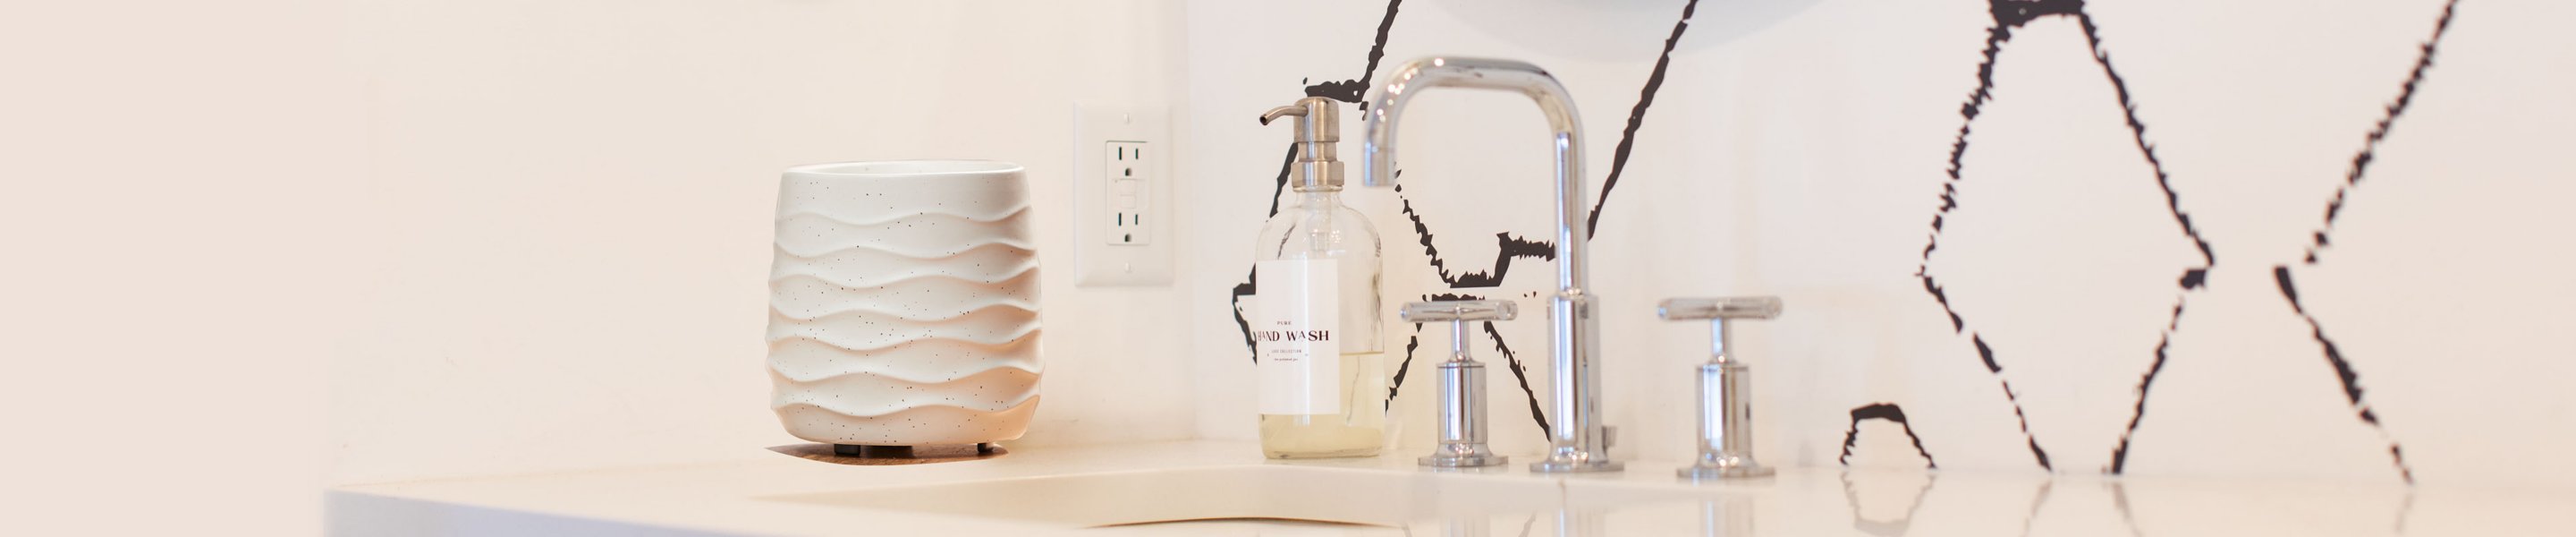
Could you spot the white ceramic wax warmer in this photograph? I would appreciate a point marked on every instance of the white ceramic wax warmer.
(903, 305)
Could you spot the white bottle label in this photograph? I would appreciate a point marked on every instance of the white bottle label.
(1296, 336)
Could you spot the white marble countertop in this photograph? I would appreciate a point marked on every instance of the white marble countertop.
(759, 497)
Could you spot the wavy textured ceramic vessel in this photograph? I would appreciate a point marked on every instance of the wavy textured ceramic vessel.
(903, 306)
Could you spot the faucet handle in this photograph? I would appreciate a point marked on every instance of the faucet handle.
(1460, 310)
(1719, 312)
(1742, 307)
(1462, 381)
(1725, 399)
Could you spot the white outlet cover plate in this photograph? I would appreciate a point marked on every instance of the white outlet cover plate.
(1099, 260)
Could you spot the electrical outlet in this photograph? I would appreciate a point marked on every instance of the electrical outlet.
(1121, 193)
(1130, 193)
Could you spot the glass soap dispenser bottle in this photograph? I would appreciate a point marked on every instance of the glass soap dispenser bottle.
(1318, 361)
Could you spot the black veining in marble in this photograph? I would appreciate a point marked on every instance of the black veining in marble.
(2345, 374)
(1352, 91)
(1891, 413)
(1637, 118)
(1247, 288)
(2008, 15)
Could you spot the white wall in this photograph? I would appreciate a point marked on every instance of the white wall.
(575, 200)
(176, 186)
(1800, 148)
(490, 236)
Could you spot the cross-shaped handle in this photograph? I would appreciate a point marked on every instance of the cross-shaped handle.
(1742, 307)
(1461, 310)
(1462, 381)
(1725, 401)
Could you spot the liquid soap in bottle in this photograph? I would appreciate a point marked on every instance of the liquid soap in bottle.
(1318, 357)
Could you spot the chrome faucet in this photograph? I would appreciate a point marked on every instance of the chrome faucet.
(1578, 442)
(1462, 382)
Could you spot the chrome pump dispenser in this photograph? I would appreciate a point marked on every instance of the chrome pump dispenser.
(1317, 353)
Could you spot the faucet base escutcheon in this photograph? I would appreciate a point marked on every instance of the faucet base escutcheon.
(1563, 462)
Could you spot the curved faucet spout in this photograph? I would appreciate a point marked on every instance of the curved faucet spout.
(1578, 441)
(1386, 103)
(1386, 111)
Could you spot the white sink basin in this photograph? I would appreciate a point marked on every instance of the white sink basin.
(1235, 495)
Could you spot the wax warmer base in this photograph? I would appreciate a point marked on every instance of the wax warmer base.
(891, 455)
(893, 452)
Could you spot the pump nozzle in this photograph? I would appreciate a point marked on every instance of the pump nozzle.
(1275, 113)
(1318, 127)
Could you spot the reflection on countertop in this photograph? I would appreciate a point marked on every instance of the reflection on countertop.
(1892, 503)
(779, 496)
